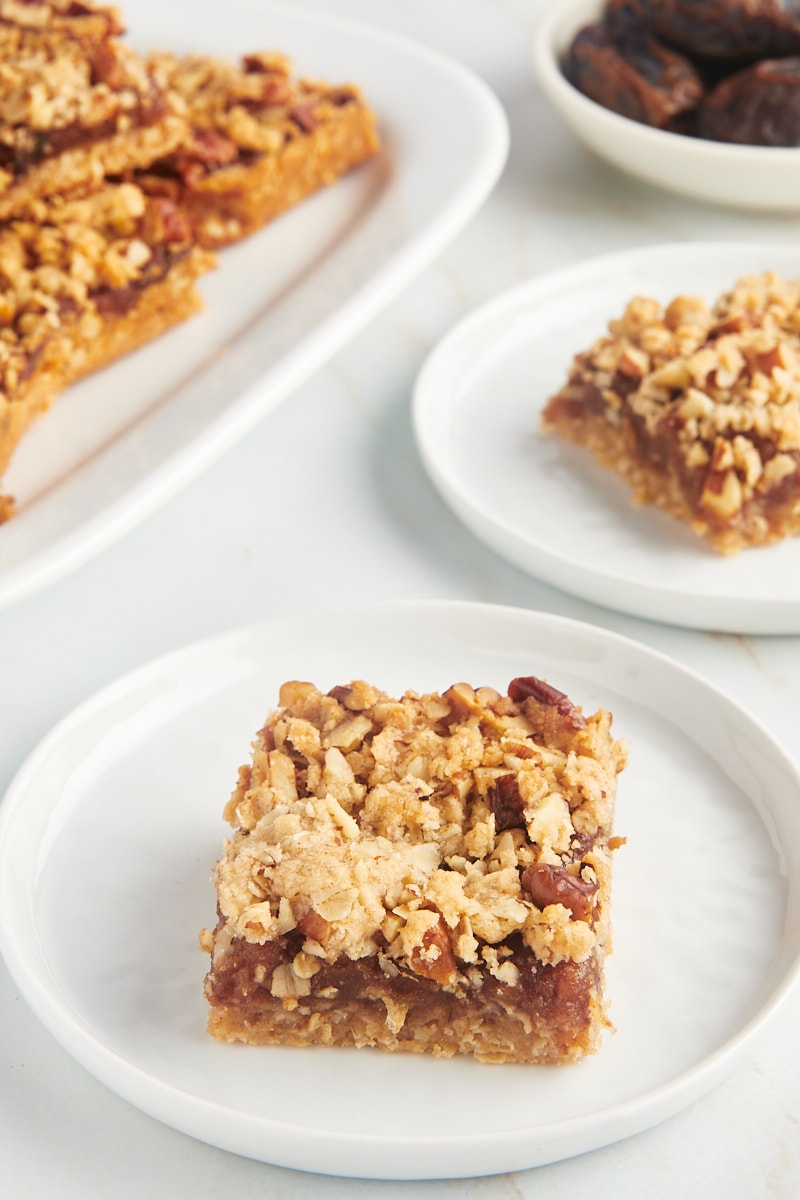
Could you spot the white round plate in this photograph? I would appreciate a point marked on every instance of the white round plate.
(110, 830)
(546, 505)
(755, 177)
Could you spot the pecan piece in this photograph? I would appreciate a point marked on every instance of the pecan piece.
(434, 958)
(548, 884)
(164, 221)
(554, 717)
(276, 91)
(305, 116)
(525, 686)
(313, 926)
(213, 148)
(506, 803)
(107, 67)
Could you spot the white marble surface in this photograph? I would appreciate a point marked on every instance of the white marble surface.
(360, 521)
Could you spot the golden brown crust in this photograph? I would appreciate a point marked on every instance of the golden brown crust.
(260, 140)
(430, 873)
(698, 409)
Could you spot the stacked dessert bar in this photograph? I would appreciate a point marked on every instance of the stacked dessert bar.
(120, 174)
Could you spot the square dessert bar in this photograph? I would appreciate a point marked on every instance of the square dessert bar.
(82, 281)
(259, 140)
(427, 874)
(76, 103)
(698, 409)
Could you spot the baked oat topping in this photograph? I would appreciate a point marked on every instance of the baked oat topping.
(699, 407)
(446, 838)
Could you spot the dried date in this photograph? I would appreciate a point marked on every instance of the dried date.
(736, 30)
(725, 70)
(759, 106)
(633, 75)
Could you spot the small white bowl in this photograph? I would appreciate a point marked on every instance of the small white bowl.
(755, 177)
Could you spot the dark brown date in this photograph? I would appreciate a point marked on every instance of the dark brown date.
(738, 30)
(633, 75)
(759, 106)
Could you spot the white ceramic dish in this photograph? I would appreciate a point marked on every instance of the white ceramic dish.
(755, 177)
(546, 505)
(109, 831)
(117, 445)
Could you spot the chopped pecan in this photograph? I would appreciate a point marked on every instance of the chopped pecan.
(553, 715)
(313, 926)
(164, 221)
(107, 67)
(506, 803)
(277, 90)
(434, 958)
(305, 116)
(213, 148)
(528, 685)
(548, 884)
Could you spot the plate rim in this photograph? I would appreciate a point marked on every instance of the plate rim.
(713, 612)
(73, 546)
(511, 1150)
